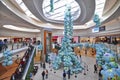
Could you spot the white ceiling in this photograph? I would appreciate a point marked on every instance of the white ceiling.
(11, 14)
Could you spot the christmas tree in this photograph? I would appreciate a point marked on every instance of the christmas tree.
(66, 57)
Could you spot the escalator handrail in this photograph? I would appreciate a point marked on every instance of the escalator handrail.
(28, 65)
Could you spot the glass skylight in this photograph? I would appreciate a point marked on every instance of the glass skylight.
(20, 28)
(99, 11)
(59, 8)
(99, 7)
(25, 9)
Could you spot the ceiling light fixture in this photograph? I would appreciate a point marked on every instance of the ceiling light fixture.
(20, 28)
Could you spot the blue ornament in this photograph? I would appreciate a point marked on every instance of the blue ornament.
(3, 64)
(9, 57)
(10, 63)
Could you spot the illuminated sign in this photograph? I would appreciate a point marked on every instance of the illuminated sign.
(95, 29)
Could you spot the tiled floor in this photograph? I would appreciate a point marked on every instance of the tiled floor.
(90, 75)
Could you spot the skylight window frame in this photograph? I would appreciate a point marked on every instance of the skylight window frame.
(25, 9)
(57, 10)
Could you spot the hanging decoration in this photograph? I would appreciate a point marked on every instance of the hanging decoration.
(7, 55)
(66, 57)
(51, 5)
(96, 19)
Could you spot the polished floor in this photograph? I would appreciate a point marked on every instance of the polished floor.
(90, 75)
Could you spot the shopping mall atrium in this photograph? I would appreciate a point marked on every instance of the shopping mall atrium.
(59, 39)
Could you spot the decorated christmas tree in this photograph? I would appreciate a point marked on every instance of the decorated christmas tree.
(66, 57)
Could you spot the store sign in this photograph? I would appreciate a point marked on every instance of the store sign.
(95, 29)
(102, 28)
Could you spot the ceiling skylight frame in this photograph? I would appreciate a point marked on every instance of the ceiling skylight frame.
(59, 9)
(100, 7)
(25, 9)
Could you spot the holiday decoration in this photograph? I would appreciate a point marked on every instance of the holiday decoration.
(106, 59)
(7, 55)
(51, 5)
(66, 57)
(96, 19)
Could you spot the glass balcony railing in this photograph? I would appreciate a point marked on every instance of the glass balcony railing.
(12, 46)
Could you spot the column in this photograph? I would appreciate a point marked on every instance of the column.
(42, 40)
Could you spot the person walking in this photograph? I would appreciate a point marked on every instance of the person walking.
(44, 66)
(46, 73)
(100, 75)
(69, 71)
(80, 58)
(31, 76)
(43, 75)
(95, 68)
(41, 65)
(64, 75)
(85, 51)
(12, 77)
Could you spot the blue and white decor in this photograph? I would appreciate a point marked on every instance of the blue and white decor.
(51, 5)
(7, 55)
(66, 57)
(96, 19)
(106, 59)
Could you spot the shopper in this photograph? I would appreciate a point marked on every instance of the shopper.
(31, 76)
(80, 58)
(41, 65)
(12, 77)
(95, 68)
(69, 71)
(46, 73)
(44, 66)
(5, 44)
(1, 45)
(43, 75)
(17, 59)
(100, 75)
(64, 75)
(86, 52)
